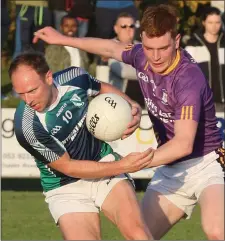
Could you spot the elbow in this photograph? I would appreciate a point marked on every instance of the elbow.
(187, 148)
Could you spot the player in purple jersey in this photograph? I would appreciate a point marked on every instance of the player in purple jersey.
(180, 105)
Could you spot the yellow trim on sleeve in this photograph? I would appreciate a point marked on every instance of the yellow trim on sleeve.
(187, 113)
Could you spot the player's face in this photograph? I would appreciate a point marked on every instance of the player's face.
(213, 24)
(125, 29)
(34, 90)
(160, 51)
(69, 27)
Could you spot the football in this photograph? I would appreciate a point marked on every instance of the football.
(108, 116)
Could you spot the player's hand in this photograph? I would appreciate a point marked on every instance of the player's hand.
(137, 160)
(49, 35)
(134, 124)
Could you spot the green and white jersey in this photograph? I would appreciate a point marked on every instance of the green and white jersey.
(61, 128)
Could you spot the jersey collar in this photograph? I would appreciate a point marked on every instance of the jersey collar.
(174, 64)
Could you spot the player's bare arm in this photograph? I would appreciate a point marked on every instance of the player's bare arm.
(90, 169)
(179, 146)
(104, 47)
(136, 108)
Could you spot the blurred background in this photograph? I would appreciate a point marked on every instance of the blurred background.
(201, 25)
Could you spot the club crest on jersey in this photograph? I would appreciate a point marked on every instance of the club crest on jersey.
(164, 97)
(76, 100)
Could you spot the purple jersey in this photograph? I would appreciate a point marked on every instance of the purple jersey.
(180, 94)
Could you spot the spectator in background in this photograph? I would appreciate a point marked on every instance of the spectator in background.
(123, 76)
(83, 11)
(107, 12)
(207, 48)
(60, 8)
(68, 56)
(31, 16)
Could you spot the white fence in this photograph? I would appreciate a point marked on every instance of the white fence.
(16, 162)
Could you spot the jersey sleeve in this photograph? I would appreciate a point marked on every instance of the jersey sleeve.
(78, 77)
(130, 53)
(189, 94)
(32, 136)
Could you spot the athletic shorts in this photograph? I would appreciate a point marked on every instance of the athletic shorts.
(183, 182)
(85, 195)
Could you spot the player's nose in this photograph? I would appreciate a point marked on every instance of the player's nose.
(27, 98)
(156, 55)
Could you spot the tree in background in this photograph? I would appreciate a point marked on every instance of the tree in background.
(190, 12)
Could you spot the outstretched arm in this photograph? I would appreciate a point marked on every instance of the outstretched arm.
(133, 162)
(104, 47)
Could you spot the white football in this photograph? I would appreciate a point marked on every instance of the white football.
(108, 116)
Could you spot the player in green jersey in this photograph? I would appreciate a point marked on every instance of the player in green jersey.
(79, 173)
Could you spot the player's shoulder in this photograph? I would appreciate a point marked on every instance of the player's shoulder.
(188, 75)
(188, 69)
(75, 77)
(136, 53)
(64, 76)
(25, 120)
(19, 113)
(135, 47)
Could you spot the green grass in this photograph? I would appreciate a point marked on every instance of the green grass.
(25, 216)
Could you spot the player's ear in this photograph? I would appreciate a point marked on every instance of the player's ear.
(177, 41)
(115, 27)
(49, 78)
(203, 23)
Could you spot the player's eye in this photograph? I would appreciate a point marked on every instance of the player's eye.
(165, 48)
(33, 91)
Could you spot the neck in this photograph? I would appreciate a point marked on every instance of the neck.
(211, 38)
(54, 94)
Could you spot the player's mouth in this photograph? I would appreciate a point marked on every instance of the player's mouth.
(35, 106)
(157, 64)
(70, 33)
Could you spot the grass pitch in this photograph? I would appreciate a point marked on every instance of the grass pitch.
(25, 216)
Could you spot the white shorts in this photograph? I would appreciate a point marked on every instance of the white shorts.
(183, 182)
(85, 195)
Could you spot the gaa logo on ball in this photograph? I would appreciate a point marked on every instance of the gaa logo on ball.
(108, 116)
